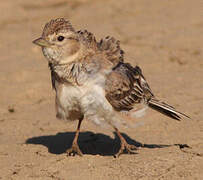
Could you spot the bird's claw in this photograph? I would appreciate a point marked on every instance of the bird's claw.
(74, 150)
(128, 147)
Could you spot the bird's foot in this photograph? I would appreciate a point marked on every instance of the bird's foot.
(74, 150)
(125, 146)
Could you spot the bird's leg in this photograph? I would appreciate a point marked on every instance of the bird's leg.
(124, 145)
(75, 148)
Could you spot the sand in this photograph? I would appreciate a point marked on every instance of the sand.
(163, 37)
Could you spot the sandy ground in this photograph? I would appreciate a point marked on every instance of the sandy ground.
(163, 37)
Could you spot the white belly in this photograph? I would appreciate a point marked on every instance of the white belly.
(89, 100)
(72, 103)
(67, 104)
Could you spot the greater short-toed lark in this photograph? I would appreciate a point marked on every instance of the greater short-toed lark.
(92, 80)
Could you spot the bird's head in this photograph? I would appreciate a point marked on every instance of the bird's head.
(59, 41)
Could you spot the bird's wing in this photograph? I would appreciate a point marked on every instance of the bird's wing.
(53, 76)
(125, 86)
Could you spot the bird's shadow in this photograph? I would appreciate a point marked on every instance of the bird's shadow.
(89, 143)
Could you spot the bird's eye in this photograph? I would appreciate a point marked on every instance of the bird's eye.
(60, 38)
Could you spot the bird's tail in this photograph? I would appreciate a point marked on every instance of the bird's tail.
(166, 109)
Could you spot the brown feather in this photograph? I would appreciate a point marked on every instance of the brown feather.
(88, 39)
(111, 48)
(126, 86)
(56, 25)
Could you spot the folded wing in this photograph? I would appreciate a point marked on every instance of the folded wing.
(126, 86)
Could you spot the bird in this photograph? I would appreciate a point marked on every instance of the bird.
(92, 81)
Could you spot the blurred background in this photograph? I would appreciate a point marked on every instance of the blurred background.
(163, 37)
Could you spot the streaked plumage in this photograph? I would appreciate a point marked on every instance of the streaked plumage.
(92, 80)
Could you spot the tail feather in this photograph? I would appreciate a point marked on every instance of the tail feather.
(166, 109)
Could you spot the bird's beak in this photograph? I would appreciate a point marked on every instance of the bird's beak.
(41, 42)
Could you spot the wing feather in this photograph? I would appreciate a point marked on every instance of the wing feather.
(126, 86)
